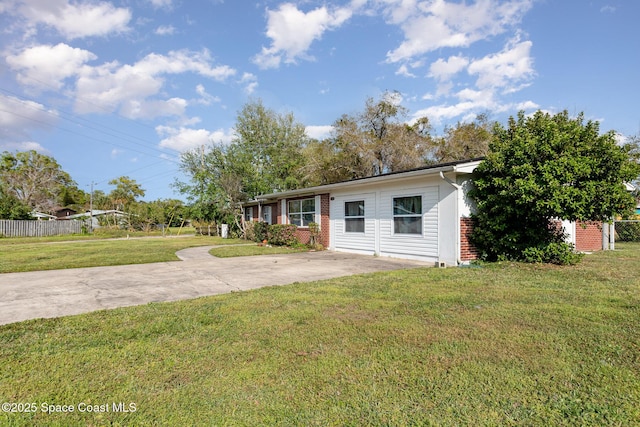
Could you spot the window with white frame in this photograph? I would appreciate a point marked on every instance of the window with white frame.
(302, 212)
(354, 217)
(407, 215)
(248, 213)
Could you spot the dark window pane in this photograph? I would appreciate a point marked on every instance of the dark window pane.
(407, 225)
(309, 205)
(354, 225)
(307, 218)
(354, 208)
(407, 205)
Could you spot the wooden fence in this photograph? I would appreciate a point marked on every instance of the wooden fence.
(31, 228)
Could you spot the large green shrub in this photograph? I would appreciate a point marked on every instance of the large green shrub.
(541, 168)
(282, 235)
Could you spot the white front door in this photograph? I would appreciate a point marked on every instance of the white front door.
(266, 214)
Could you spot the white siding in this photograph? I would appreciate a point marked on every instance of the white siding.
(354, 242)
(419, 245)
(379, 237)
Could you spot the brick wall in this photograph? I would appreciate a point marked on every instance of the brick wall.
(588, 236)
(303, 233)
(467, 251)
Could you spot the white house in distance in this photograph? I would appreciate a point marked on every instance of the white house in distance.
(419, 214)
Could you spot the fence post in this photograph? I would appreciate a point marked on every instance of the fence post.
(612, 235)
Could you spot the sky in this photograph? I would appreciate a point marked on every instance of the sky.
(122, 88)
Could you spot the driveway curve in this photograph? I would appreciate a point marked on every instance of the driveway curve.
(54, 293)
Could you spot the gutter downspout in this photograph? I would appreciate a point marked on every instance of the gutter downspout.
(457, 242)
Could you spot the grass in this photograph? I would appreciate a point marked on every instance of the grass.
(253, 249)
(507, 344)
(18, 255)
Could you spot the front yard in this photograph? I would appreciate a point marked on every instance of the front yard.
(507, 344)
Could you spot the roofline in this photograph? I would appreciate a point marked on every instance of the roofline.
(462, 166)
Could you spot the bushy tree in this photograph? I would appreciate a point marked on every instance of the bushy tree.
(35, 179)
(372, 142)
(542, 168)
(126, 192)
(264, 156)
(464, 140)
(12, 208)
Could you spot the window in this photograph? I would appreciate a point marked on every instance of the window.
(407, 215)
(354, 217)
(302, 212)
(248, 213)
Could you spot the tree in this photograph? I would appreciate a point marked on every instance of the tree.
(126, 192)
(267, 149)
(465, 140)
(35, 179)
(542, 168)
(264, 156)
(372, 142)
(12, 208)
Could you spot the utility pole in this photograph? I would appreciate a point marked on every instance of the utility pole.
(91, 209)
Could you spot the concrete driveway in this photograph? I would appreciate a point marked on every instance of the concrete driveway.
(65, 292)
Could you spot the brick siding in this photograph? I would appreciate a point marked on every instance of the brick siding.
(467, 251)
(588, 236)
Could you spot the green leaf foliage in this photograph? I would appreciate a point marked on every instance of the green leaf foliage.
(542, 168)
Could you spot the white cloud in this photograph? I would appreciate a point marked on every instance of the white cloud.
(148, 109)
(250, 82)
(112, 86)
(431, 25)
(292, 32)
(404, 71)
(22, 146)
(167, 4)
(319, 132)
(75, 19)
(205, 98)
(182, 139)
(506, 68)
(165, 30)
(48, 66)
(445, 69)
(19, 118)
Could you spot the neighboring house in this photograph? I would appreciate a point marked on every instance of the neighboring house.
(41, 216)
(113, 216)
(422, 214)
(419, 214)
(64, 213)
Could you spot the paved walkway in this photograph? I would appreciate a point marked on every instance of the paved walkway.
(65, 292)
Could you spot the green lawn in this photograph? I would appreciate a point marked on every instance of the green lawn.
(49, 254)
(507, 344)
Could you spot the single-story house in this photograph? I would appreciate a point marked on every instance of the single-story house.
(113, 216)
(422, 214)
(419, 214)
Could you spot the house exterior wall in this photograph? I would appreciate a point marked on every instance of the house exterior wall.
(436, 243)
(321, 217)
(468, 252)
(588, 236)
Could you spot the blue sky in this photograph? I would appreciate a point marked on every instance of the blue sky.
(112, 88)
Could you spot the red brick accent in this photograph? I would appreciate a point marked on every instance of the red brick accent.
(588, 236)
(467, 251)
(303, 233)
